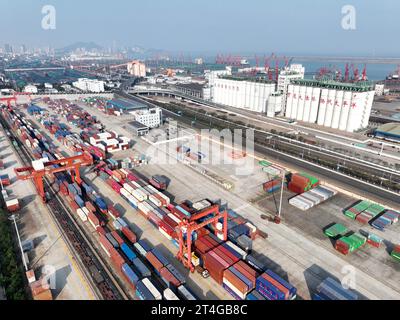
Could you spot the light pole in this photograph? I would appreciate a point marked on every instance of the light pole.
(13, 218)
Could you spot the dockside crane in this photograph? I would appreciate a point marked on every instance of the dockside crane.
(41, 168)
(191, 224)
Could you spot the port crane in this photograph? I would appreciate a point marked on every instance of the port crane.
(38, 171)
(191, 224)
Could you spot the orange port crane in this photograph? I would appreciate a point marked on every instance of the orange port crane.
(71, 164)
(192, 224)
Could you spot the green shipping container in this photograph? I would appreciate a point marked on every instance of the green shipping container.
(350, 214)
(313, 180)
(396, 255)
(335, 230)
(264, 163)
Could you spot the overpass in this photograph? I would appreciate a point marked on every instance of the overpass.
(34, 69)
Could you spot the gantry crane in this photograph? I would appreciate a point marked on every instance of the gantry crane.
(192, 224)
(71, 164)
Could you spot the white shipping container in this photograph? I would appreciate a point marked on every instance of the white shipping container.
(155, 200)
(234, 289)
(169, 295)
(140, 249)
(164, 233)
(81, 215)
(237, 249)
(153, 290)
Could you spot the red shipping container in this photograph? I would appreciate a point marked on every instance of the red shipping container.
(129, 234)
(105, 243)
(113, 212)
(74, 206)
(92, 217)
(101, 231)
(90, 206)
(169, 277)
(154, 261)
(229, 254)
(170, 222)
(276, 284)
(117, 258)
(117, 237)
(247, 270)
(237, 283)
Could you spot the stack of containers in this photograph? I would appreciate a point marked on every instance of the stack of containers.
(302, 182)
(312, 198)
(370, 213)
(272, 186)
(217, 260)
(239, 280)
(336, 230)
(348, 244)
(355, 210)
(374, 240)
(273, 287)
(388, 218)
(330, 289)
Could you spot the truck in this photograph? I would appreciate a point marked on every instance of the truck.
(204, 273)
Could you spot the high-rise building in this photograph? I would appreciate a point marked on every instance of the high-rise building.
(8, 48)
(137, 68)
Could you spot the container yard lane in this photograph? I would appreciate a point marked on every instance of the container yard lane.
(35, 224)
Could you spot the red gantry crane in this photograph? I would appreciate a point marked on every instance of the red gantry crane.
(71, 164)
(192, 224)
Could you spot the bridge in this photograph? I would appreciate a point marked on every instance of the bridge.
(35, 69)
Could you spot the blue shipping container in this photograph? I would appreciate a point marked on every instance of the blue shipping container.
(160, 256)
(142, 292)
(127, 270)
(128, 252)
(143, 270)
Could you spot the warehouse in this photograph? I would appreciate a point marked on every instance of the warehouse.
(389, 131)
(123, 105)
(343, 106)
(243, 93)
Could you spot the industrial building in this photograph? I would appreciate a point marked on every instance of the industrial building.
(30, 88)
(195, 90)
(89, 85)
(343, 106)
(389, 131)
(294, 72)
(243, 92)
(137, 68)
(151, 118)
(124, 105)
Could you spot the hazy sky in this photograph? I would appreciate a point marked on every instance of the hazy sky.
(259, 26)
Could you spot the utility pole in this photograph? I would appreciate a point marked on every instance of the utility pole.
(13, 218)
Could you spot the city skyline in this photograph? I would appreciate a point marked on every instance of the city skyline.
(210, 28)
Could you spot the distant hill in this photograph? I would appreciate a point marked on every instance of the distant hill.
(88, 46)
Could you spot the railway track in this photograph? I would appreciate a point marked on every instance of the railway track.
(100, 277)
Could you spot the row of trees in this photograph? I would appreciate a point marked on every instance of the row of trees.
(11, 272)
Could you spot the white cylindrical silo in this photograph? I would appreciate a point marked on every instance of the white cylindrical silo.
(322, 107)
(315, 98)
(337, 108)
(295, 104)
(301, 99)
(307, 104)
(344, 115)
(289, 101)
(354, 112)
(367, 112)
(329, 107)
